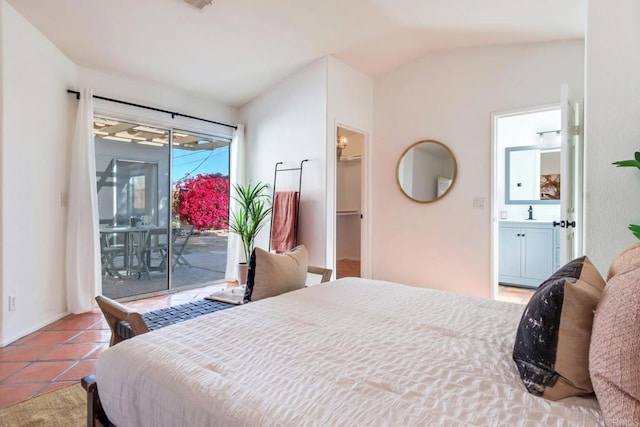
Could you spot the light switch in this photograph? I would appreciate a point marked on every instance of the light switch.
(478, 202)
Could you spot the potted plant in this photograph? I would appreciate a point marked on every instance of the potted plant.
(249, 218)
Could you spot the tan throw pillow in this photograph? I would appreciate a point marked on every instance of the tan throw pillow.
(615, 350)
(627, 260)
(274, 274)
(551, 350)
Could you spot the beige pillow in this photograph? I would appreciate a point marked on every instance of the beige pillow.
(614, 356)
(627, 260)
(274, 274)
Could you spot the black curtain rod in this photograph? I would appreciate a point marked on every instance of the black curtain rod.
(173, 114)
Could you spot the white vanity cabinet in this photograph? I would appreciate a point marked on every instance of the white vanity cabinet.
(528, 252)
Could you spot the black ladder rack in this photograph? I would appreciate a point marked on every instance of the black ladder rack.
(275, 179)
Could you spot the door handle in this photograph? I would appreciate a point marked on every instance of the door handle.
(564, 224)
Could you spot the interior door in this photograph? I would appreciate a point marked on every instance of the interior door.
(571, 179)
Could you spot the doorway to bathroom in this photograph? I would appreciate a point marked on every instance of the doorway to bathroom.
(537, 193)
(350, 150)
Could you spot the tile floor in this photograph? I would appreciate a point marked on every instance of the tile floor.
(60, 354)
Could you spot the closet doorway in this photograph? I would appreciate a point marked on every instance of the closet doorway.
(350, 151)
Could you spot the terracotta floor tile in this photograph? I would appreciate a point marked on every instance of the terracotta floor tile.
(70, 352)
(9, 368)
(84, 368)
(23, 340)
(55, 386)
(48, 337)
(77, 322)
(101, 324)
(27, 352)
(93, 336)
(10, 394)
(98, 350)
(39, 372)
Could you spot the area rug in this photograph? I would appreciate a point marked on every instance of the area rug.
(65, 407)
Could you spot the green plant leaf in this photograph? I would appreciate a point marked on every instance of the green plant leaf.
(637, 156)
(635, 229)
(627, 163)
(251, 214)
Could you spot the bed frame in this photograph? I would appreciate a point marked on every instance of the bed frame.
(96, 417)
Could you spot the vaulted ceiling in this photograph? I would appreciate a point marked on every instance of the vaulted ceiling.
(234, 49)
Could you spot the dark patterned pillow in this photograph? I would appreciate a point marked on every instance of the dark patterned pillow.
(551, 349)
(273, 274)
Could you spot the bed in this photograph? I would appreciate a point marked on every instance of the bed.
(348, 352)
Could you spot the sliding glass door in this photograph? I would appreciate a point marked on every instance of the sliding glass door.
(200, 185)
(158, 232)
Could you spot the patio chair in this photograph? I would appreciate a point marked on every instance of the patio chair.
(108, 254)
(180, 240)
(114, 312)
(155, 250)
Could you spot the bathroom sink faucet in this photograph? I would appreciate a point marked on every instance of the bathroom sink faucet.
(530, 210)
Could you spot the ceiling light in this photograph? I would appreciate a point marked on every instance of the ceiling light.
(341, 143)
(198, 4)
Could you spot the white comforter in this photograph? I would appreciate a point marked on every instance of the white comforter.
(352, 352)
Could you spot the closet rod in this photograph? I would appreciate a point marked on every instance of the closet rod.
(173, 113)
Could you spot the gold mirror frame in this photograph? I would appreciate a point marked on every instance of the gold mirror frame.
(453, 179)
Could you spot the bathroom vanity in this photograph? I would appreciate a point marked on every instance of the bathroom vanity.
(529, 252)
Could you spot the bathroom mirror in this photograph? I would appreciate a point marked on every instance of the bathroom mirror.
(426, 171)
(532, 175)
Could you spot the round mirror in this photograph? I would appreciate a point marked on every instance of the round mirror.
(426, 171)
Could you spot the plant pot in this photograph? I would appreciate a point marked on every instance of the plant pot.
(243, 269)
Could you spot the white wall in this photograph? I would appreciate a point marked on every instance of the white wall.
(449, 97)
(612, 127)
(288, 124)
(36, 123)
(350, 104)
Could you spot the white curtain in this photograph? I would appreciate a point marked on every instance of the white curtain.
(83, 248)
(237, 175)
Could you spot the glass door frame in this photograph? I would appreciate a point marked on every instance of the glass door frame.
(170, 251)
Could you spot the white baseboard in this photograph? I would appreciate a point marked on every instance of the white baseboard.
(31, 330)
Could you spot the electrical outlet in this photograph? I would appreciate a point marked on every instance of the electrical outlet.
(12, 303)
(478, 202)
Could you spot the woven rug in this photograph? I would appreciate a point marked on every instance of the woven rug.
(65, 407)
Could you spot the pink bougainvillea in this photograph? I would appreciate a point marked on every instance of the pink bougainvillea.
(203, 201)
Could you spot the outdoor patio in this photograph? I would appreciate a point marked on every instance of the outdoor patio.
(206, 254)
